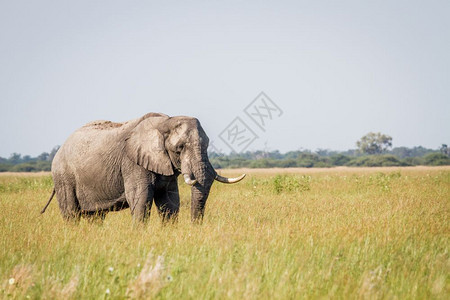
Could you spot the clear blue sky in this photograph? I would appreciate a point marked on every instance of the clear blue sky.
(337, 69)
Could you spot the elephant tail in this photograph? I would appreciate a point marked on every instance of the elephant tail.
(49, 200)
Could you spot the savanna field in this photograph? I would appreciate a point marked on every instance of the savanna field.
(278, 234)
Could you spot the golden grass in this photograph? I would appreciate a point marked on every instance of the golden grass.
(306, 233)
(23, 174)
(333, 170)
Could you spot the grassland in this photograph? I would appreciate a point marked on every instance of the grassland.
(279, 234)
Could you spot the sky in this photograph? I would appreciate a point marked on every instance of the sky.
(331, 71)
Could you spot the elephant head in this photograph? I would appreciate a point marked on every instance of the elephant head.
(176, 145)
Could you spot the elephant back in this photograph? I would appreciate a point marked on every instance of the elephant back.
(103, 125)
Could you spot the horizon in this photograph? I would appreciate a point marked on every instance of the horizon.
(293, 74)
(253, 151)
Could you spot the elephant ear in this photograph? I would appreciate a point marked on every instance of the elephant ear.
(145, 146)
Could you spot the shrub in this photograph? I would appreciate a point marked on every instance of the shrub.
(413, 161)
(5, 167)
(339, 160)
(289, 183)
(436, 159)
(33, 166)
(375, 161)
(309, 160)
(288, 163)
(262, 163)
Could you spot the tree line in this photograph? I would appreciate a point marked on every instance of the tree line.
(18, 163)
(401, 156)
(374, 150)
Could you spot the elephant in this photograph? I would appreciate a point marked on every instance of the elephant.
(106, 166)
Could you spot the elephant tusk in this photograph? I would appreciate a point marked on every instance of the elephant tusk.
(229, 180)
(188, 179)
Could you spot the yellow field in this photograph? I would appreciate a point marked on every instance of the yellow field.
(280, 233)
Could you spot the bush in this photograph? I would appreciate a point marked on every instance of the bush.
(309, 160)
(288, 163)
(436, 159)
(376, 161)
(339, 160)
(262, 163)
(291, 183)
(5, 167)
(413, 161)
(34, 166)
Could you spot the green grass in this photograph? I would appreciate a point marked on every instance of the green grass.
(352, 233)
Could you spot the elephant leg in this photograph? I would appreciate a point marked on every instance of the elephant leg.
(68, 202)
(168, 201)
(140, 202)
(139, 191)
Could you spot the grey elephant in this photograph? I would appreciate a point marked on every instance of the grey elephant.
(106, 166)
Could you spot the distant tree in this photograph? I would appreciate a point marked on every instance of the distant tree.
(15, 158)
(53, 153)
(374, 143)
(322, 152)
(350, 152)
(275, 155)
(421, 151)
(292, 154)
(325, 152)
(445, 150)
(402, 152)
(43, 156)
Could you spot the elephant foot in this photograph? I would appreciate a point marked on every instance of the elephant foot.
(95, 217)
(168, 217)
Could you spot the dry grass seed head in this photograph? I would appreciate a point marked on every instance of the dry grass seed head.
(20, 281)
(59, 291)
(150, 280)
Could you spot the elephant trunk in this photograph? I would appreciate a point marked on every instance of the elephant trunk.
(200, 176)
(198, 201)
(204, 175)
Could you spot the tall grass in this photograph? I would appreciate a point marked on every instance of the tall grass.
(345, 234)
